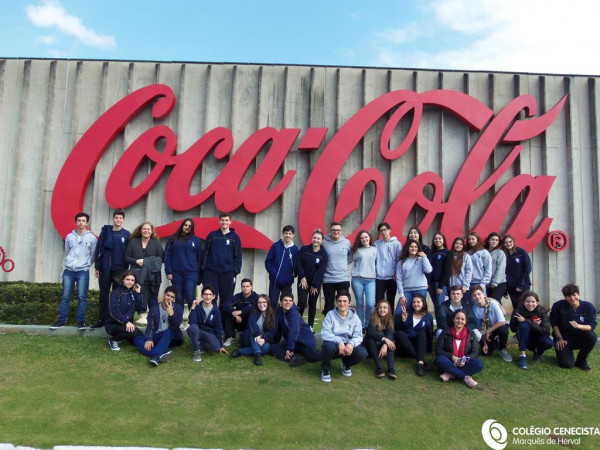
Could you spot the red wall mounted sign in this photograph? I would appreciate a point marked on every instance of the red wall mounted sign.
(506, 127)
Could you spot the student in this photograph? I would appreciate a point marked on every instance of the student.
(342, 336)
(573, 322)
(163, 329)
(80, 245)
(280, 264)
(364, 257)
(440, 259)
(414, 333)
(379, 339)
(109, 260)
(222, 259)
(461, 270)
(457, 350)
(299, 344)
(256, 339)
(124, 302)
(518, 269)
(183, 262)
(388, 255)
(497, 287)
(205, 330)
(411, 274)
(531, 323)
(236, 310)
(481, 262)
(415, 234)
(144, 255)
(339, 255)
(491, 325)
(312, 260)
(449, 307)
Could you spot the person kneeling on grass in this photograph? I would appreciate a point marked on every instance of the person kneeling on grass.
(492, 326)
(457, 351)
(256, 339)
(379, 340)
(531, 323)
(122, 304)
(342, 336)
(205, 330)
(299, 344)
(163, 329)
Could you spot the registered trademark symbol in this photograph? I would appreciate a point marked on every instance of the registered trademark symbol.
(557, 240)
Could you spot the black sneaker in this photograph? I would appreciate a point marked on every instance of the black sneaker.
(165, 357)
(57, 325)
(114, 345)
(258, 360)
(391, 373)
(97, 325)
(154, 361)
(297, 360)
(81, 326)
(583, 365)
(325, 376)
(236, 354)
(420, 370)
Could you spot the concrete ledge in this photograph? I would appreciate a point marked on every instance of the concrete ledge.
(44, 330)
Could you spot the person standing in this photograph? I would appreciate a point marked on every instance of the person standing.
(280, 263)
(339, 255)
(312, 261)
(364, 256)
(222, 259)
(518, 270)
(109, 260)
(80, 246)
(388, 255)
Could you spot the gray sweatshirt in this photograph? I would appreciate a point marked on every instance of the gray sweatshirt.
(498, 267)
(364, 262)
(388, 255)
(79, 250)
(339, 255)
(410, 274)
(337, 329)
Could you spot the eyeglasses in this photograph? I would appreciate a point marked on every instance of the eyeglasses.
(208, 294)
(336, 230)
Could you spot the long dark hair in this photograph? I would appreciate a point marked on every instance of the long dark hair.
(457, 262)
(269, 322)
(357, 243)
(179, 233)
(434, 247)
(404, 253)
(486, 243)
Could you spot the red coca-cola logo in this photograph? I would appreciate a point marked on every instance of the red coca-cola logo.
(514, 124)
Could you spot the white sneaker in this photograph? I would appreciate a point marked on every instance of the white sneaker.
(325, 376)
(228, 342)
(505, 356)
(114, 345)
(196, 356)
(346, 370)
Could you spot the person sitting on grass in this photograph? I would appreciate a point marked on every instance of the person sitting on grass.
(573, 322)
(299, 344)
(531, 323)
(492, 326)
(205, 330)
(379, 340)
(414, 333)
(163, 329)
(256, 339)
(122, 305)
(457, 352)
(342, 337)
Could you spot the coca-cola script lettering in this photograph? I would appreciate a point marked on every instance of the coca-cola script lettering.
(506, 127)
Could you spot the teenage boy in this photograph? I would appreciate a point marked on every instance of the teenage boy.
(339, 255)
(109, 260)
(163, 329)
(449, 307)
(80, 245)
(236, 310)
(280, 263)
(222, 259)
(388, 255)
(573, 322)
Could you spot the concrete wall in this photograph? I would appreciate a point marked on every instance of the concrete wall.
(46, 106)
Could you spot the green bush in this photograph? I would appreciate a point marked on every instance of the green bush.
(26, 303)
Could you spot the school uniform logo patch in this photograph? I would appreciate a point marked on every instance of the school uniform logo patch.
(517, 260)
(227, 242)
(318, 260)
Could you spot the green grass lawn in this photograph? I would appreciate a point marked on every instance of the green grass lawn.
(73, 390)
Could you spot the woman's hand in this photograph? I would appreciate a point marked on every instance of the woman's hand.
(139, 262)
(404, 313)
(303, 283)
(422, 254)
(402, 301)
(169, 277)
(389, 343)
(260, 341)
(383, 351)
(137, 288)
(223, 351)
(289, 354)
(314, 291)
(519, 317)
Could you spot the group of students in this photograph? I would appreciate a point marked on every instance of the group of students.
(474, 274)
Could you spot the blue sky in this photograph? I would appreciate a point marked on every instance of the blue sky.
(498, 35)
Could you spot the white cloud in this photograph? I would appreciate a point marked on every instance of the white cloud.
(509, 35)
(52, 14)
(46, 40)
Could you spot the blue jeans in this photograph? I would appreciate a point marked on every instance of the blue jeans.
(203, 340)
(530, 340)
(437, 300)
(408, 295)
(82, 278)
(445, 364)
(161, 343)
(185, 285)
(364, 292)
(249, 347)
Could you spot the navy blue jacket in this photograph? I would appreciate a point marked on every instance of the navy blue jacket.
(562, 313)
(292, 327)
(213, 325)
(518, 268)
(311, 265)
(110, 252)
(122, 304)
(184, 256)
(266, 334)
(426, 323)
(240, 303)
(447, 313)
(441, 264)
(223, 252)
(174, 322)
(280, 263)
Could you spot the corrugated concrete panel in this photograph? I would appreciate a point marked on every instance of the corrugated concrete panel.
(47, 105)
